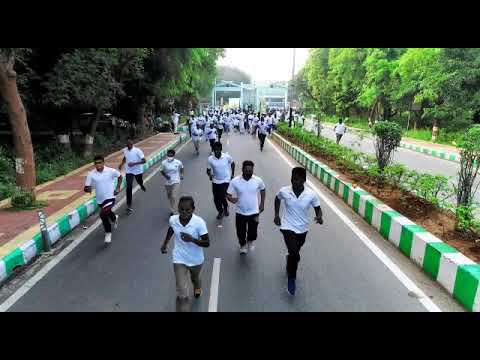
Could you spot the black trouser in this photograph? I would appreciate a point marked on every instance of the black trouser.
(294, 243)
(107, 214)
(262, 139)
(339, 137)
(220, 132)
(212, 141)
(220, 196)
(246, 226)
(129, 179)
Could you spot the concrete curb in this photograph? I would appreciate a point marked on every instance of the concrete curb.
(27, 252)
(459, 275)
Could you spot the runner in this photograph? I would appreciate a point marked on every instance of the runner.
(220, 170)
(294, 223)
(262, 132)
(242, 191)
(220, 127)
(211, 135)
(134, 159)
(172, 170)
(191, 236)
(103, 179)
(175, 120)
(196, 138)
(340, 130)
(191, 122)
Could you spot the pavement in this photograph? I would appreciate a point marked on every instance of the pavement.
(412, 159)
(63, 195)
(337, 271)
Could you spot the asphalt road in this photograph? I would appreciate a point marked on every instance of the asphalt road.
(337, 271)
(412, 159)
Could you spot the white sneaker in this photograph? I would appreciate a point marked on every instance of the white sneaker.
(250, 245)
(115, 224)
(108, 238)
(243, 249)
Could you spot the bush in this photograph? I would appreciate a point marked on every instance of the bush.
(387, 138)
(469, 166)
(22, 199)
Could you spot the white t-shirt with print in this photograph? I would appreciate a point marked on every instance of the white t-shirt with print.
(172, 169)
(188, 253)
(247, 194)
(221, 168)
(211, 133)
(134, 155)
(196, 133)
(104, 183)
(295, 213)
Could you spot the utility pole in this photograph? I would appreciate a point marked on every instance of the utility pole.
(291, 92)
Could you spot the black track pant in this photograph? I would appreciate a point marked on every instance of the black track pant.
(220, 196)
(262, 139)
(129, 179)
(246, 227)
(294, 243)
(107, 214)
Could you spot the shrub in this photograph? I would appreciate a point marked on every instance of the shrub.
(469, 166)
(22, 199)
(387, 138)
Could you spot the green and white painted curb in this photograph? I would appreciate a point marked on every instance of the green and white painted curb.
(27, 252)
(459, 275)
(428, 151)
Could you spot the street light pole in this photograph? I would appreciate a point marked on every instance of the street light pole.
(291, 92)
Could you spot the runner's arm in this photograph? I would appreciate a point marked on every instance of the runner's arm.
(318, 214)
(167, 240)
(233, 169)
(262, 200)
(124, 160)
(203, 241)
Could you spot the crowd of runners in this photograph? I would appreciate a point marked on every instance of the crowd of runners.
(245, 191)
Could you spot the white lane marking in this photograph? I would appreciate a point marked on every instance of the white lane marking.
(51, 264)
(399, 274)
(213, 302)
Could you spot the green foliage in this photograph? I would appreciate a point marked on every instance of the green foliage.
(469, 166)
(387, 138)
(466, 220)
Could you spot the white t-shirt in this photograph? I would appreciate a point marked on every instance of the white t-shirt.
(172, 169)
(176, 118)
(183, 252)
(221, 168)
(262, 128)
(247, 193)
(196, 133)
(340, 129)
(200, 120)
(134, 155)
(104, 183)
(295, 214)
(211, 133)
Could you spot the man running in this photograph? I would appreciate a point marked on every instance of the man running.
(243, 191)
(297, 200)
(340, 130)
(134, 159)
(196, 138)
(220, 170)
(191, 123)
(175, 121)
(172, 170)
(220, 127)
(191, 236)
(211, 134)
(103, 179)
(262, 132)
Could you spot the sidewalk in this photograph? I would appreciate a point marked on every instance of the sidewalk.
(63, 195)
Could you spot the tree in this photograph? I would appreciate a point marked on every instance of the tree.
(86, 77)
(230, 73)
(387, 138)
(22, 141)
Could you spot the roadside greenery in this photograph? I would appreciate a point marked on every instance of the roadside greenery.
(433, 189)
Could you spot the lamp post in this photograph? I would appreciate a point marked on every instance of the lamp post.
(291, 94)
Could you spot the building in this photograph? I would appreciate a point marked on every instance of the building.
(257, 97)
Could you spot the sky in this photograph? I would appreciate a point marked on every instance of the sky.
(265, 64)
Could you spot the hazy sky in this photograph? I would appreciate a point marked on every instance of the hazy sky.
(265, 64)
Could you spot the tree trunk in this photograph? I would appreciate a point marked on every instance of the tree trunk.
(89, 138)
(64, 140)
(22, 141)
(435, 130)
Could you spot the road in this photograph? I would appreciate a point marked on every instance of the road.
(338, 272)
(412, 159)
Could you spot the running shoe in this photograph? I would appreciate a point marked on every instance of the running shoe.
(291, 286)
(243, 249)
(108, 238)
(251, 245)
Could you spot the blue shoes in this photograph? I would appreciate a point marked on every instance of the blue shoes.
(291, 286)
